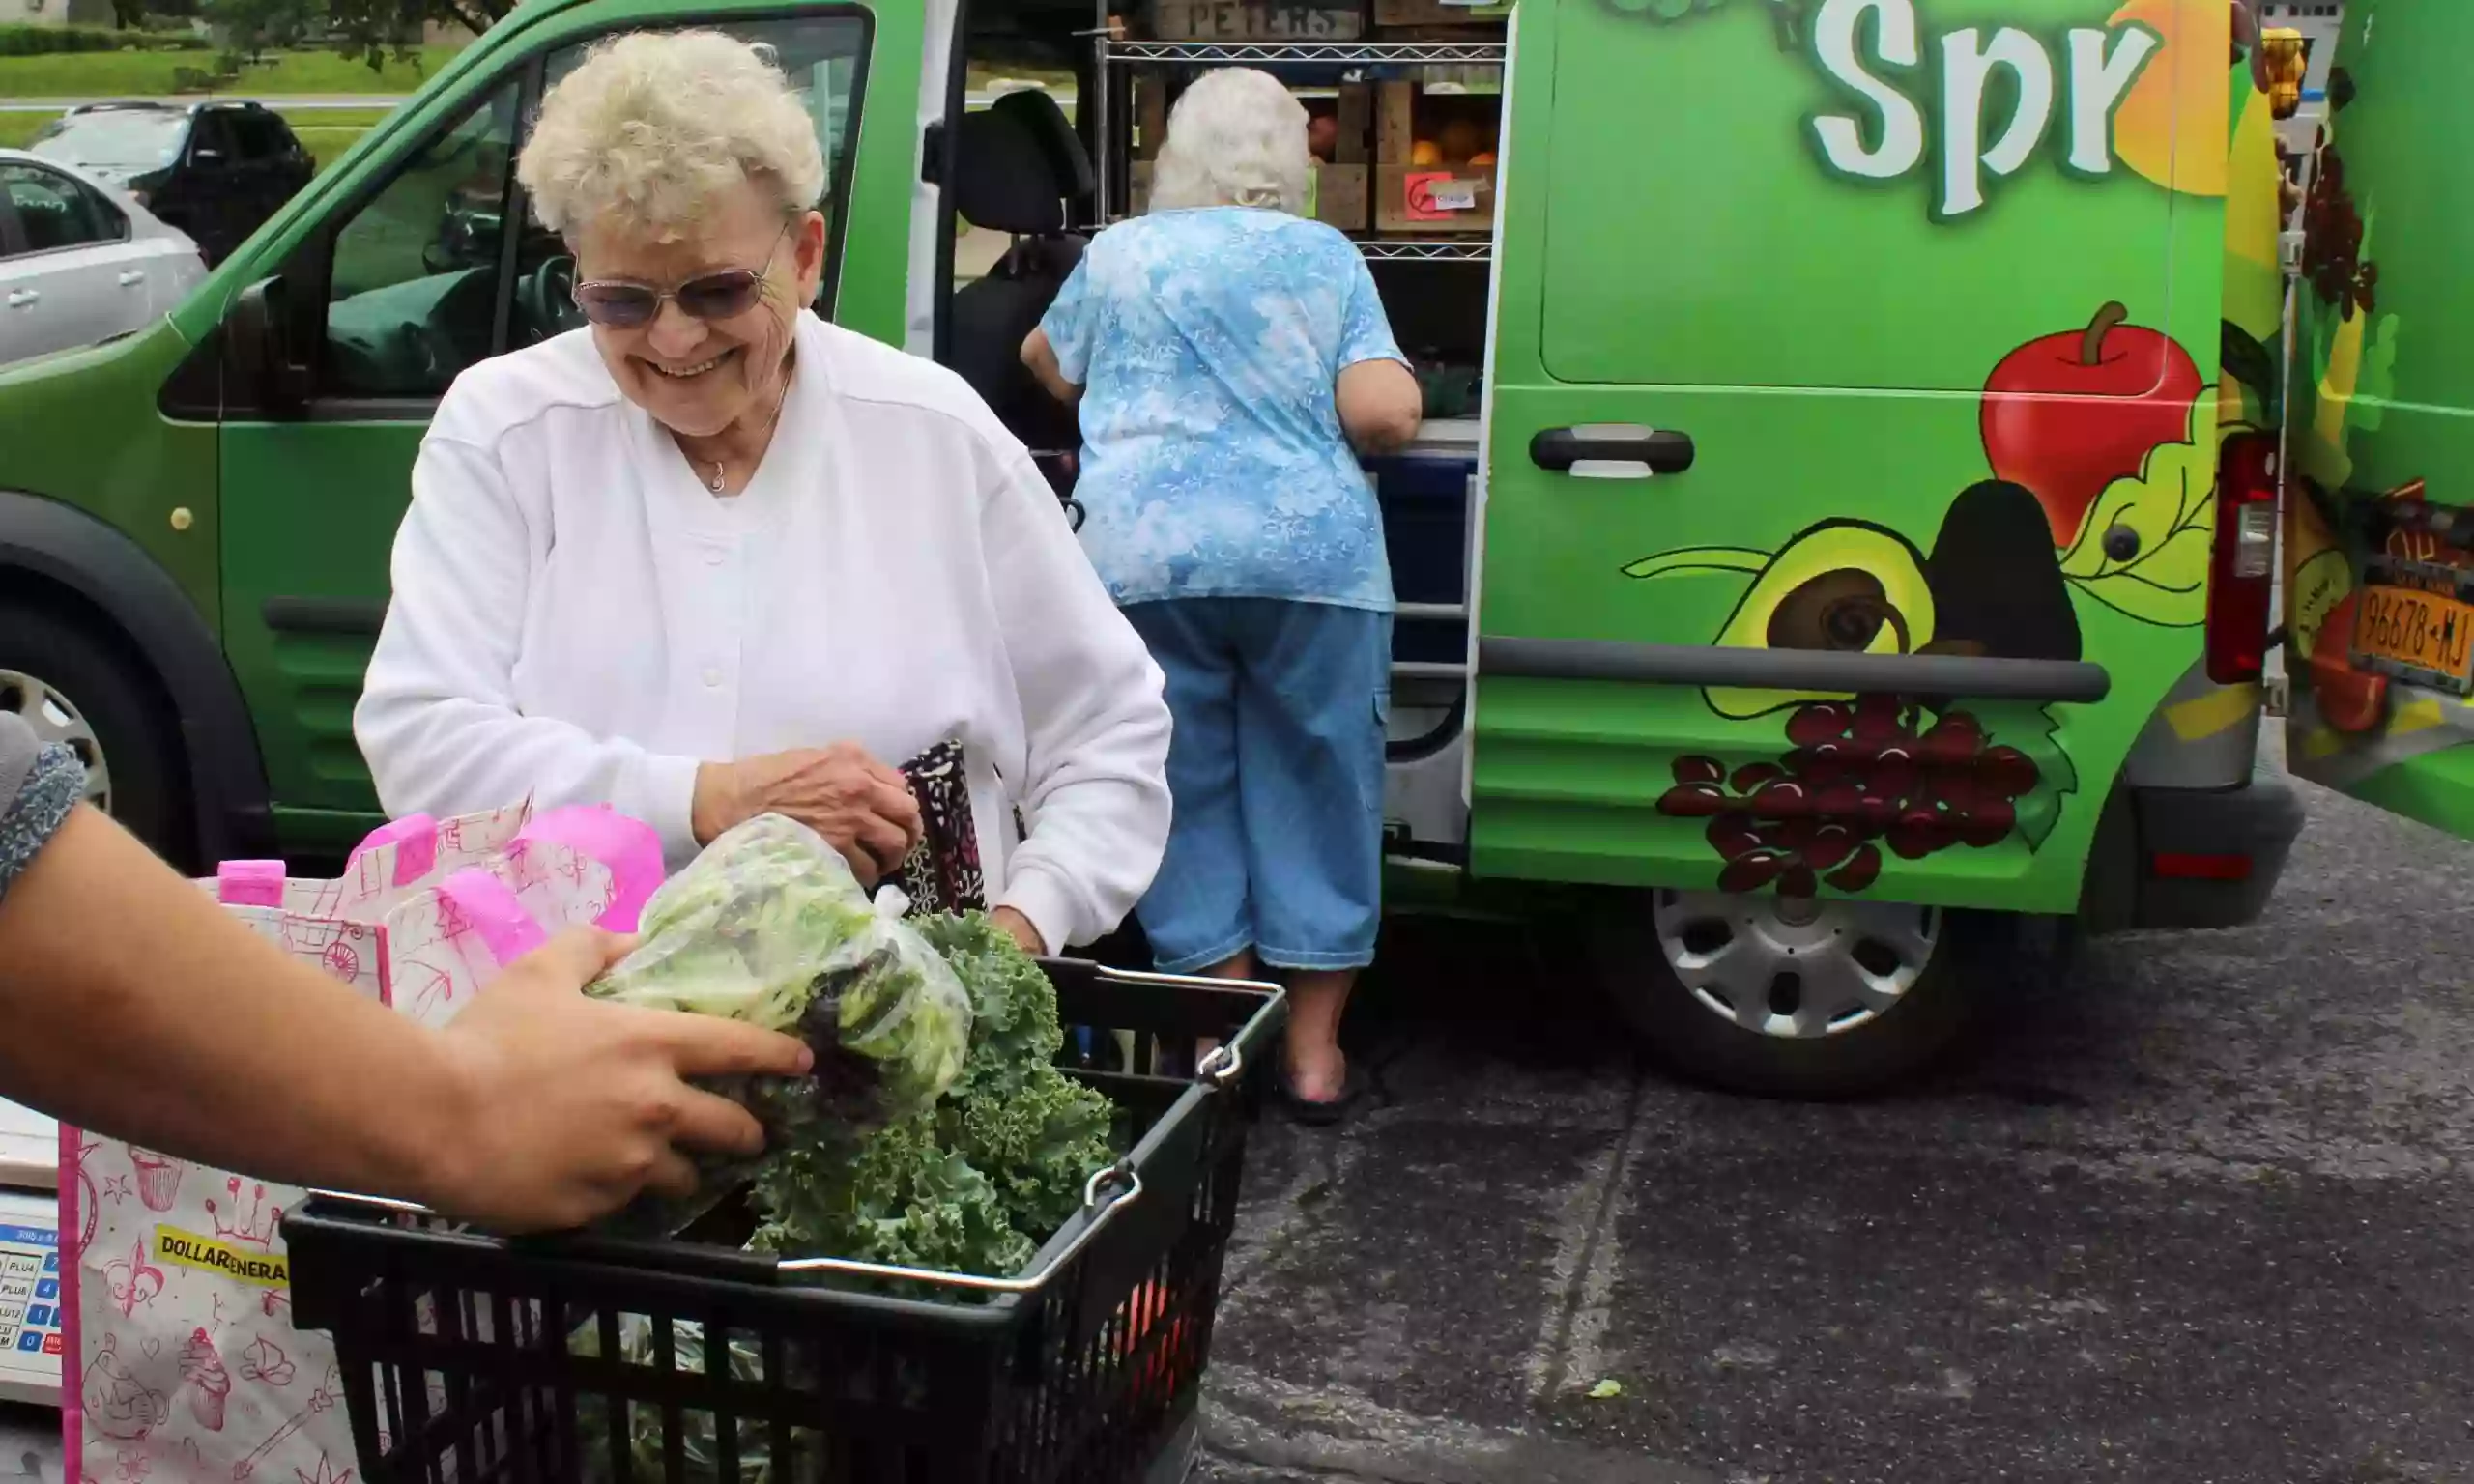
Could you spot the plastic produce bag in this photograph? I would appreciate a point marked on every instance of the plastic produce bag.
(769, 926)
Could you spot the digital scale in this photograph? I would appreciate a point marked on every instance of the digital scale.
(30, 1329)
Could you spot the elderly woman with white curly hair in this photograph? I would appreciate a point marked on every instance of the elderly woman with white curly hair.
(710, 557)
(1232, 361)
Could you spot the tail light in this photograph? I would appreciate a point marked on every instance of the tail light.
(2243, 566)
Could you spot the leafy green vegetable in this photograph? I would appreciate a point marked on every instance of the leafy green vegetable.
(977, 1182)
(768, 925)
(974, 1182)
(699, 1437)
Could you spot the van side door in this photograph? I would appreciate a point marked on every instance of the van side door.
(1850, 472)
(383, 281)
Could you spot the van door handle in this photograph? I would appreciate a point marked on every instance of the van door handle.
(23, 299)
(1656, 451)
(134, 275)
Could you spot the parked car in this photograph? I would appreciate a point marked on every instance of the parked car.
(81, 262)
(216, 170)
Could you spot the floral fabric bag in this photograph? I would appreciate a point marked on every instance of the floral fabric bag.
(181, 1361)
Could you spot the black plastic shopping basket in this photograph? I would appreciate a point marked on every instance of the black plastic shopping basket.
(471, 1360)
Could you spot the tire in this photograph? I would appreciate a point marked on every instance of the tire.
(89, 693)
(1639, 940)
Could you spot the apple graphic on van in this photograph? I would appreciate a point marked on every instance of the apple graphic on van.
(2068, 413)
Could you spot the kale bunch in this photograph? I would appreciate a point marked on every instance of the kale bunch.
(975, 1182)
(768, 925)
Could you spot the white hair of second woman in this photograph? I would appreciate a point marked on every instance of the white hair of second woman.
(1235, 138)
(654, 125)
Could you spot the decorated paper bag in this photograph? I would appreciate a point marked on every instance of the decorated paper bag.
(181, 1359)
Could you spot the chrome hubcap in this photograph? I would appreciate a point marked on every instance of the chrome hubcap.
(1798, 969)
(55, 719)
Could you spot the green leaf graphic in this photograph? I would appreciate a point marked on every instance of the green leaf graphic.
(2171, 508)
(2033, 731)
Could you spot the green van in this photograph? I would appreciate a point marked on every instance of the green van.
(2379, 627)
(1861, 547)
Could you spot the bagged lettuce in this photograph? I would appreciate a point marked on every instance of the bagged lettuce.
(769, 926)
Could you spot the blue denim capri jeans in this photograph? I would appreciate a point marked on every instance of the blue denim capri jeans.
(1276, 765)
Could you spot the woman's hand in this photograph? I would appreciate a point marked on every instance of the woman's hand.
(864, 809)
(566, 1107)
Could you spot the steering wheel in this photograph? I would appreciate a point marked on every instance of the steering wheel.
(547, 299)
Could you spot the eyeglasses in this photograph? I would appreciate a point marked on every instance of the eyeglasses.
(622, 304)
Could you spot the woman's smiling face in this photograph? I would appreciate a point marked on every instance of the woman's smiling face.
(698, 377)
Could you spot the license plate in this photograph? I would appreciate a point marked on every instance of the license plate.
(2418, 635)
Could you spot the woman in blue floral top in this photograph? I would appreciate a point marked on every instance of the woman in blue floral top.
(1231, 361)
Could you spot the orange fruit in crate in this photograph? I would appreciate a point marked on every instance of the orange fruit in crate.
(1461, 139)
(1322, 135)
(1426, 152)
(1482, 157)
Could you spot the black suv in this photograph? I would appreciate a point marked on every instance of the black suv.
(216, 170)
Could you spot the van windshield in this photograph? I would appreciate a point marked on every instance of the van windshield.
(139, 139)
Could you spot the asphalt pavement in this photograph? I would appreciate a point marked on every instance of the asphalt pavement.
(2195, 1209)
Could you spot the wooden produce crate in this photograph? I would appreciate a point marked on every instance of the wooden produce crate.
(1342, 196)
(1257, 21)
(1434, 200)
(1455, 127)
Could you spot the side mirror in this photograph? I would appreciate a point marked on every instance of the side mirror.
(258, 345)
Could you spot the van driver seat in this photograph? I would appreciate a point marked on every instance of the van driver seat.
(1017, 165)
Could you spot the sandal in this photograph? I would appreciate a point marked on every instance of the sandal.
(1326, 1113)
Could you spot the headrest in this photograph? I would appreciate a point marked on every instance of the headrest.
(1040, 113)
(1018, 162)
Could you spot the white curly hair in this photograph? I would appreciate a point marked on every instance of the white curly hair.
(653, 125)
(1235, 138)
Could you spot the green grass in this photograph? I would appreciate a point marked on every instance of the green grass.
(326, 133)
(149, 73)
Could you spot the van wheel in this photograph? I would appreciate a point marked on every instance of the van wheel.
(1783, 997)
(78, 691)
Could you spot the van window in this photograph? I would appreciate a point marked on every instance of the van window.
(415, 286)
(821, 54)
(262, 136)
(414, 291)
(54, 212)
(212, 131)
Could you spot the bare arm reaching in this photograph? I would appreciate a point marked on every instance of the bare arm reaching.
(1041, 356)
(137, 1008)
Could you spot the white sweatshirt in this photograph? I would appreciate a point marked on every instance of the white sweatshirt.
(577, 619)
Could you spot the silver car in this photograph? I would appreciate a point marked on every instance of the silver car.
(80, 260)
